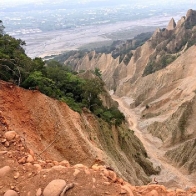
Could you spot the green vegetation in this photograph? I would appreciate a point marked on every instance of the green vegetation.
(183, 120)
(54, 80)
(1, 27)
(111, 115)
(98, 72)
(154, 66)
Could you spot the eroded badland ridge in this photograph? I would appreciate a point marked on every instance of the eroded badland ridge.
(158, 83)
(48, 149)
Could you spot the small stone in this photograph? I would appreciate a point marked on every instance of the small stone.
(120, 180)
(38, 167)
(10, 135)
(22, 148)
(54, 188)
(127, 189)
(106, 172)
(12, 187)
(30, 159)
(107, 183)
(50, 165)
(76, 172)
(3, 152)
(152, 193)
(39, 192)
(180, 191)
(42, 162)
(87, 171)
(95, 167)
(3, 141)
(79, 166)
(29, 174)
(28, 164)
(17, 137)
(11, 193)
(31, 153)
(59, 168)
(123, 191)
(7, 144)
(9, 154)
(16, 175)
(4, 171)
(112, 176)
(65, 163)
(22, 160)
(55, 163)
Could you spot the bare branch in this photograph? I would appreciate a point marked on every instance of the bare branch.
(17, 67)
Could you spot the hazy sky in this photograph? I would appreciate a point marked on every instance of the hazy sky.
(14, 2)
(144, 1)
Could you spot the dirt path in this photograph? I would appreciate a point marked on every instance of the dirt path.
(169, 176)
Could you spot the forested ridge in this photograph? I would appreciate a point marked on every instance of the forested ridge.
(53, 79)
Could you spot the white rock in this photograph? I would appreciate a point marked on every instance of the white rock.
(38, 167)
(76, 172)
(30, 159)
(11, 193)
(39, 192)
(4, 171)
(10, 135)
(16, 175)
(54, 188)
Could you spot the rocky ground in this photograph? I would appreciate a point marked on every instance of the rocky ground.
(26, 172)
(23, 173)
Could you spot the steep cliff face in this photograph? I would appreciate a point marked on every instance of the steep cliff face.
(166, 94)
(160, 79)
(53, 131)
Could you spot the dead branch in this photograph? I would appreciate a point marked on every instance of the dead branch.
(68, 187)
(49, 145)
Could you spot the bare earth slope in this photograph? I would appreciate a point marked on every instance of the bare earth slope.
(53, 131)
(33, 152)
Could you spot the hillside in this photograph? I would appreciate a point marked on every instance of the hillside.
(53, 131)
(38, 137)
(159, 86)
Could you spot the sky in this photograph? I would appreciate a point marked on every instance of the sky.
(11, 3)
(8, 3)
(36, 1)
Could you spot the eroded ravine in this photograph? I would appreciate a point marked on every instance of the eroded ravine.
(169, 176)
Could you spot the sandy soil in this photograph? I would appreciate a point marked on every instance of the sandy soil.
(170, 176)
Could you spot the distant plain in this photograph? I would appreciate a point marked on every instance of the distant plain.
(50, 29)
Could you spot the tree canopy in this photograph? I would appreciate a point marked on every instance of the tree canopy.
(53, 79)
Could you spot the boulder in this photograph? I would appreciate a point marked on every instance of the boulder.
(4, 171)
(10, 135)
(54, 188)
(10, 193)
